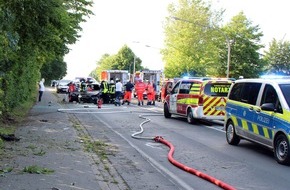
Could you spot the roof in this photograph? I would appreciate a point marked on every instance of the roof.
(203, 79)
(266, 80)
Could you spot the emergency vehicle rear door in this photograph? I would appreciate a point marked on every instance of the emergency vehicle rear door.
(173, 98)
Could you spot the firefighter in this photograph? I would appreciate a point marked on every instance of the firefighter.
(140, 88)
(112, 91)
(83, 85)
(104, 88)
(128, 92)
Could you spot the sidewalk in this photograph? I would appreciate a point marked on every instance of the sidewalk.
(48, 140)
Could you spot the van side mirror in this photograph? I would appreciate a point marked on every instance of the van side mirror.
(268, 107)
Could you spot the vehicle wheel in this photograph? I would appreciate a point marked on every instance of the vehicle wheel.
(281, 150)
(232, 137)
(190, 118)
(167, 114)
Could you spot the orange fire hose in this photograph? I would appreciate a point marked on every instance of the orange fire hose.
(191, 170)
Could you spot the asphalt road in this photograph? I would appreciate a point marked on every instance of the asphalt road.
(94, 149)
(143, 163)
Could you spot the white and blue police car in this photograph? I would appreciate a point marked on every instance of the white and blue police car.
(258, 110)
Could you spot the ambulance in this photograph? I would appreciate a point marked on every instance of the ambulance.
(153, 76)
(112, 75)
(198, 98)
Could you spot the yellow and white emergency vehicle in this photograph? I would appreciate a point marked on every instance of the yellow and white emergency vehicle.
(258, 110)
(198, 98)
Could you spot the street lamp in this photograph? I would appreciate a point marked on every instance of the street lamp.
(229, 42)
(135, 58)
(134, 62)
(134, 67)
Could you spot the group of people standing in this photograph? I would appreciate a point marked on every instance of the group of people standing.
(148, 87)
(111, 92)
(139, 86)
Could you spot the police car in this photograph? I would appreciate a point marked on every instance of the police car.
(258, 110)
(198, 98)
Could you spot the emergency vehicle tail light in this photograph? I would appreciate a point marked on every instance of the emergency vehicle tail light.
(200, 101)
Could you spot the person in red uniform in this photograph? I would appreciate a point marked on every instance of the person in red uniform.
(71, 90)
(150, 93)
(140, 88)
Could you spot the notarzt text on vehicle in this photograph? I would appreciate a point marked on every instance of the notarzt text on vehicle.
(219, 89)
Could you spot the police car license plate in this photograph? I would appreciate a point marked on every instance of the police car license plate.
(220, 108)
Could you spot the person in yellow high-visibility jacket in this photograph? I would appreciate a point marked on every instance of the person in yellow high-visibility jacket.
(112, 91)
(104, 89)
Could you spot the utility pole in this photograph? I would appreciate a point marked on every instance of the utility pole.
(134, 68)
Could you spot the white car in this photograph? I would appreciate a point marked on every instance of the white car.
(62, 86)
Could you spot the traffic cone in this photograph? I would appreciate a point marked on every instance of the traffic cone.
(99, 103)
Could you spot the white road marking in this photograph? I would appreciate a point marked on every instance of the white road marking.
(153, 145)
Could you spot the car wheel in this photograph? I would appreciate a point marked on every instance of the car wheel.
(232, 137)
(167, 114)
(281, 150)
(190, 118)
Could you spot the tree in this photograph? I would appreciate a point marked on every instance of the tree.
(93, 74)
(189, 39)
(34, 33)
(105, 63)
(278, 57)
(245, 46)
(53, 70)
(67, 19)
(123, 60)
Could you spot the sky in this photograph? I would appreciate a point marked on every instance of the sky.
(139, 24)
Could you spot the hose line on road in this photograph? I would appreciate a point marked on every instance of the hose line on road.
(87, 109)
(136, 135)
(190, 170)
(141, 127)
